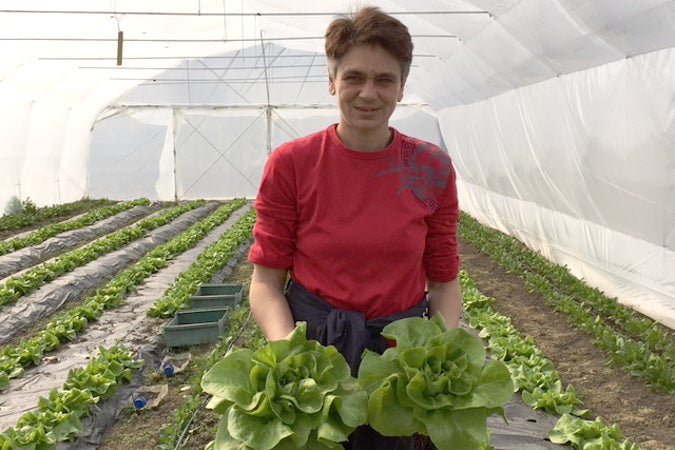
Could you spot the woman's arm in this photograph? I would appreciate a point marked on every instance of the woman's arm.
(268, 304)
(445, 298)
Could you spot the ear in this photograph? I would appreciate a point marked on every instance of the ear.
(401, 91)
(331, 85)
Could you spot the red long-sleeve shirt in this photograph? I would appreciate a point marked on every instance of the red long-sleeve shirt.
(361, 230)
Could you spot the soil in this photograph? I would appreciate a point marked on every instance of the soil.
(645, 417)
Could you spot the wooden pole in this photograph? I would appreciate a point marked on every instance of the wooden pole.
(120, 40)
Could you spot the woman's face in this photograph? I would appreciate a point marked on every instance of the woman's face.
(367, 86)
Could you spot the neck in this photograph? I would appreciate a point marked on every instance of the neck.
(365, 142)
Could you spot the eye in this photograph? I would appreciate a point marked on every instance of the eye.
(386, 81)
(353, 78)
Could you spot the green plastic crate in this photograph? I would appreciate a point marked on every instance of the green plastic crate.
(215, 296)
(195, 326)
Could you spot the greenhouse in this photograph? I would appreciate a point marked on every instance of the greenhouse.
(133, 139)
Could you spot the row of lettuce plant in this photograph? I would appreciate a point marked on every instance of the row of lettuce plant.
(57, 417)
(536, 378)
(65, 326)
(203, 269)
(548, 277)
(178, 297)
(211, 261)
(29, 215)
(641, 346)
(51, 230)
(22, 284)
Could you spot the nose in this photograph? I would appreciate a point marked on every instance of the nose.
(368, 90)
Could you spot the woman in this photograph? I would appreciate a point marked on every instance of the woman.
(362, 217)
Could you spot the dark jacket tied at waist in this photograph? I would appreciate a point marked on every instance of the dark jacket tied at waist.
(348, 331)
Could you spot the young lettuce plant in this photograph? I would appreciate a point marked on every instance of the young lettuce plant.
(434, 382)
(586, 434)
(290, 394)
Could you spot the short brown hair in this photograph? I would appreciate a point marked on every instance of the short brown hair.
(371, 26)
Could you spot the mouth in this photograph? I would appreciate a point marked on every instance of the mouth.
(366, 109)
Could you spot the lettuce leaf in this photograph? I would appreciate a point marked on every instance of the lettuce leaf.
(434, 382)
(290, 394)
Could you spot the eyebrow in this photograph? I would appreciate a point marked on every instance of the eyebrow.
(360, 72)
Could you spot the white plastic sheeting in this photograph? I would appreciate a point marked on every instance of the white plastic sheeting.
(559, 114)
(581, 167)
(193, 153)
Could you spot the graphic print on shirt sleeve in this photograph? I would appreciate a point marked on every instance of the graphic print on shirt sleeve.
(423, 169)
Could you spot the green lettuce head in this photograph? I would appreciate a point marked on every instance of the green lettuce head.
(291, 394)
(435, 382)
